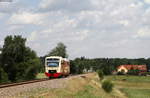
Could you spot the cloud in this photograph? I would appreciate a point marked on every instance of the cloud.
(27, 18)
(144, 32)
(93, 28)
(124, 22)
(69, 5)
(32, 37)
(101, 24)
(147, 1)
(11, 7)
(2, 15)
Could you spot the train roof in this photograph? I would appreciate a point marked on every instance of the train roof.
(59, 57)
(54, 57)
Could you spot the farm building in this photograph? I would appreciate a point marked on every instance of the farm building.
(126, 68)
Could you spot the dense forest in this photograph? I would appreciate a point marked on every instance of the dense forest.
(18, 62)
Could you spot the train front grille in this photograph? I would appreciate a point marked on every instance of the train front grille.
(52, 71)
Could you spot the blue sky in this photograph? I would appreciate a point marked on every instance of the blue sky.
(91, 28)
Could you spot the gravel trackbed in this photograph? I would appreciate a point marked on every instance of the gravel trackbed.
(9, 92)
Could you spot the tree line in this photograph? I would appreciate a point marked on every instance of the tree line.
(19, 62)
(107, 65)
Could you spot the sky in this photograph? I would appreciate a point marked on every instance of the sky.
(90, 28)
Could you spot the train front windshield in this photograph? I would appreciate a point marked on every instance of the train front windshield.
(52, 62)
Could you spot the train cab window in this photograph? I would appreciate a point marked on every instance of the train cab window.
(52, 62)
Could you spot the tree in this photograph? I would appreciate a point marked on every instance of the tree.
(0, 50)
(73, 67)
(59, 50)
(18, 59)
(0, 56)
(3, 76)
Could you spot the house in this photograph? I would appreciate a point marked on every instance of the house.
(126, 68)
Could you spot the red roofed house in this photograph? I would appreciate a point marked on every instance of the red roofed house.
(126, 68)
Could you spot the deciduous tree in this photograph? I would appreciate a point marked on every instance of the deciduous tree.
(18, 60)
(59, 50)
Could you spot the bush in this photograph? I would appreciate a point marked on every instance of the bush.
(32, 70)
(100, 74)
(107, 86)
(3, 76)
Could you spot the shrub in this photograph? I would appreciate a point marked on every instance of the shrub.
(100, 74)
(107, 86)
(3, 76)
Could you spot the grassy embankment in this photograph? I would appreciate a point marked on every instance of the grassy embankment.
(85, 86)
(89, 87)
(132, 86)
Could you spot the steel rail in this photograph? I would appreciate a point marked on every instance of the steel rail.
(4, 85)
(21, 83)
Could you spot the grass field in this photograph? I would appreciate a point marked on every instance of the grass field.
(132, 86)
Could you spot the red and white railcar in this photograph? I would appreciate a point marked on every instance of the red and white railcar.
(56, 66)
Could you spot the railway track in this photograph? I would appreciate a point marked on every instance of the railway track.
(21, 83)
(31, 81)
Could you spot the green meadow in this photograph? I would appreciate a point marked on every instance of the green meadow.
(132, 86)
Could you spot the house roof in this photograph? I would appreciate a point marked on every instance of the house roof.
(128, 67)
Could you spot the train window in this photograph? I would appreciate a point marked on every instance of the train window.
(52, 62)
